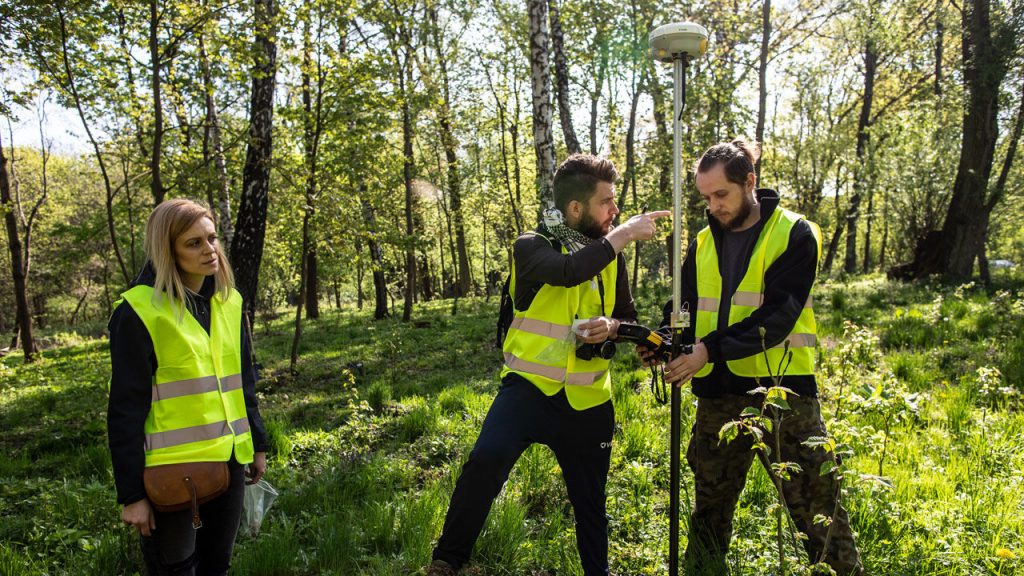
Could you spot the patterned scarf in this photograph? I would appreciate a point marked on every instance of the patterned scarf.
(553, 223)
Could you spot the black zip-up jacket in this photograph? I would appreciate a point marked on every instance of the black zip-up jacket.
(133, 364)
(538, 263)
(787, 283)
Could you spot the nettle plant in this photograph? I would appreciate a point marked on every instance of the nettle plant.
(885, 401)
(857, 353)
(763, 425)
(993, 390)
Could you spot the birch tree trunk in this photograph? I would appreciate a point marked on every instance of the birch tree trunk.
(540, 78)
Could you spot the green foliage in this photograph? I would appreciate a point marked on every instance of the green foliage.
(364, 487)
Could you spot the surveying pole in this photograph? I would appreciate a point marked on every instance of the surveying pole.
(677, 43)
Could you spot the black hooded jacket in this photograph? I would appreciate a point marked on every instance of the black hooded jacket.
(133, 364)
(787, 283)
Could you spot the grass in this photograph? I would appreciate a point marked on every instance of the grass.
(370, 433)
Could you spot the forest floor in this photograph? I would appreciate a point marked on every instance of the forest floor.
(922, 382)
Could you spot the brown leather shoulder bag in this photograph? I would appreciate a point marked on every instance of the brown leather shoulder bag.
(175, 487)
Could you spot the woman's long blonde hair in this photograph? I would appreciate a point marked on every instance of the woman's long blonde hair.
(171, 219)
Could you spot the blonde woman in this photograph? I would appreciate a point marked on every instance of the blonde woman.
(183, 390)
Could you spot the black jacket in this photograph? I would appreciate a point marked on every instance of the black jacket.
(538, 263)
(133, 364)
(787, 282)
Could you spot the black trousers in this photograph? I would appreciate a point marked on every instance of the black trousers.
(176, 549)
(522, 415)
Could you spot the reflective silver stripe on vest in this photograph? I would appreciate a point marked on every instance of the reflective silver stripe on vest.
(550, 372)
(240, 426)
(519, 365)
(583, 378)
(755, 299)
(751, 299)
(186, 435)
(188, 387)
(799, 341)
(232, 382)
(540, 327)
(707, 304)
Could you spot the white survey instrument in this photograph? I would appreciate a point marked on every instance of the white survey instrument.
(678, 38)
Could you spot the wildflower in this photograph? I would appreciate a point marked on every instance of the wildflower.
(1005, 554)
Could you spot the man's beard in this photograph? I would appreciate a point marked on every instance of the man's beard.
(589, 227)
(741, 215)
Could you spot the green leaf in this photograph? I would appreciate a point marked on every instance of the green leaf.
(729, 432)
(827, 467)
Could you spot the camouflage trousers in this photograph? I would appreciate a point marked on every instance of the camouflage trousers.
(720, 472)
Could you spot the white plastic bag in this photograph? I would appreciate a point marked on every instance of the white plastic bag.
(259, 497)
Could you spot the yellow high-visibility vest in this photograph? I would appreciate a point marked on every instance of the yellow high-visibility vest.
(771, 243)
(540, 345)
(198, 407)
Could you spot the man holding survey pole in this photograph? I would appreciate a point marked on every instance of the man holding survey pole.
(748, 278)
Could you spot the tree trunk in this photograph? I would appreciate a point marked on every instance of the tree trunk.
(380, 286)
(312, 283)
(158, 111)
(833, 245)
(885, 236)
(661, 127)
(860, 178)
(629, 179)
(250, 227)
(952, 251)
(513, 134)
(223, 196)
(762, 80)
(1000, 187)
(867, 229)
(311, 130)
(72, 88)
(540, 78)
(504, 155)
(302, 292)
(452, 159)
(940, 35)
(405, 85)
(562, 79)
(595, 95)
(23, 315)
(983, 269)
(360, 296)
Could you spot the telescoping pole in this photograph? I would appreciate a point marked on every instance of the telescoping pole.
(679, 62)
(677, 43)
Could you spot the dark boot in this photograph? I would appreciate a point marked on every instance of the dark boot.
(439, 568)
